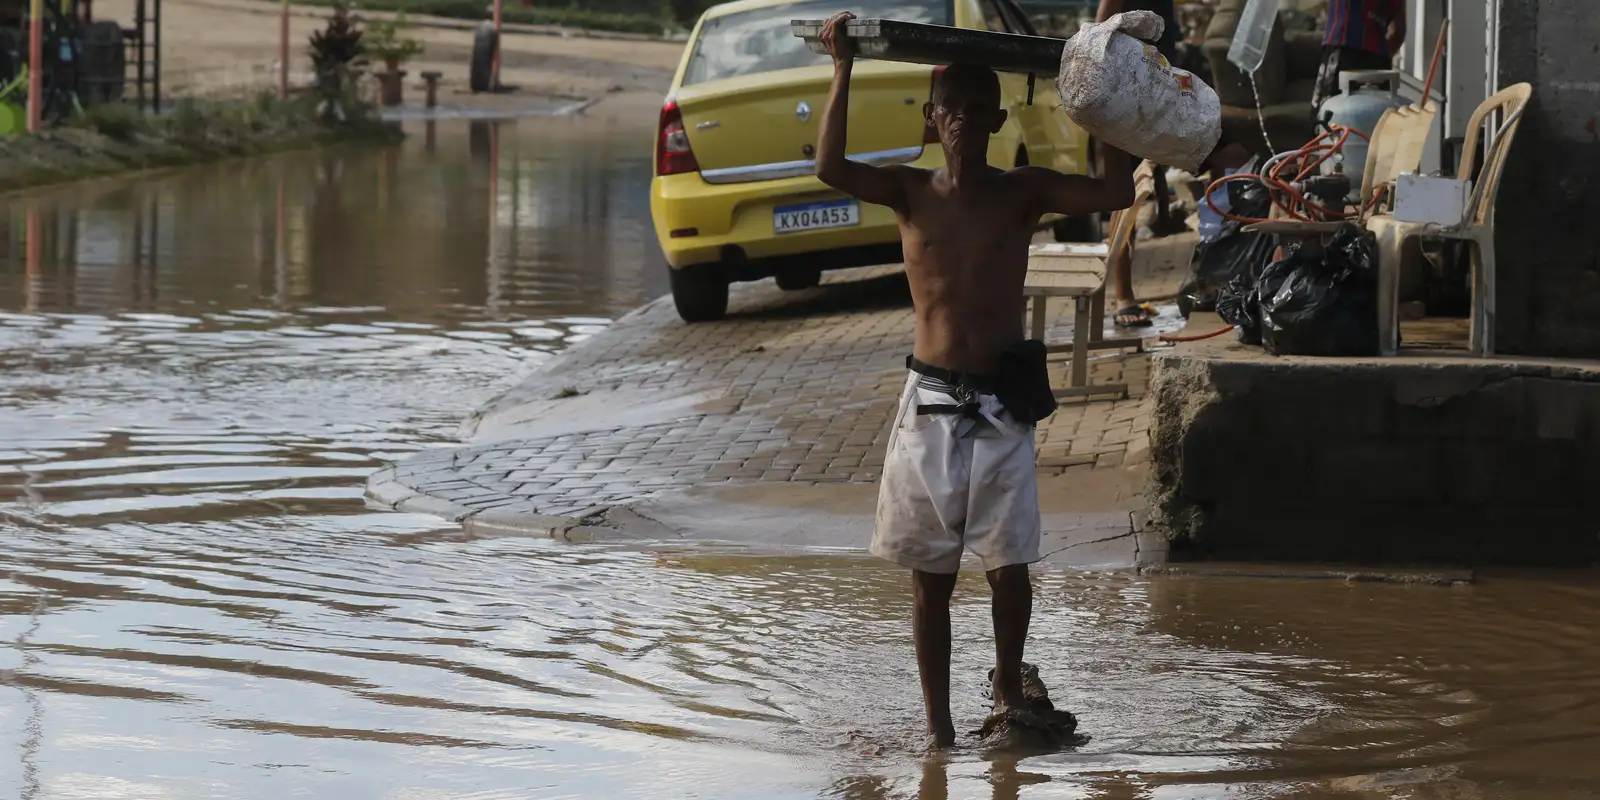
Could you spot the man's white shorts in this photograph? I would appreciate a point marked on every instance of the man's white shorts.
(950, 480)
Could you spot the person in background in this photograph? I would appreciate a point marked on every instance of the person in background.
(1129, 313)
(1361, 34)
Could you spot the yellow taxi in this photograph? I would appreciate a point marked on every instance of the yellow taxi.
(734, 198)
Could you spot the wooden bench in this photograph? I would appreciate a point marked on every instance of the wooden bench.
(1079, 271)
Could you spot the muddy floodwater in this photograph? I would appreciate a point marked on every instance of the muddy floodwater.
(198, 370)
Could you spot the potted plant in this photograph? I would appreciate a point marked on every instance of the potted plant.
(338, 56)
(385, 42)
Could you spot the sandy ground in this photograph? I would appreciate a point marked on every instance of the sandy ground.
(220, 47)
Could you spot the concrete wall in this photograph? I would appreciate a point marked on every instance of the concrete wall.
(1449, 462)
(1466, 67)
(1548, 238)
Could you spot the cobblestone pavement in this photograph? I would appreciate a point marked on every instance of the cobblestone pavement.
(794, 387)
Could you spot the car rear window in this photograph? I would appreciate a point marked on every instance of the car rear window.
(752, 42)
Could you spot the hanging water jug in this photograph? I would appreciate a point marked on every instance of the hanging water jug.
(1364, 96)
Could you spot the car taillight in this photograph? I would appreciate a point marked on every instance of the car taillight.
(673, 154)
(930, 134)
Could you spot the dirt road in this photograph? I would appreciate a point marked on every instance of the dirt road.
(220, 47)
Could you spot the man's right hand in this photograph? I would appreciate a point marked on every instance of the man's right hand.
(877, 185)
(837, 39)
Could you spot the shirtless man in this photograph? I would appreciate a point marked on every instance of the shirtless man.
(960, 467)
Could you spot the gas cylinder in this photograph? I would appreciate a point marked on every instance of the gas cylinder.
(1364, 96)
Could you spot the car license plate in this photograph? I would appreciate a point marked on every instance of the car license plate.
(816, 216)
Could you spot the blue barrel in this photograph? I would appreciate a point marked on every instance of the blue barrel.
(1364, 96)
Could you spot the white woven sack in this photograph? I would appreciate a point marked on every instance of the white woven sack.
(1124, 92)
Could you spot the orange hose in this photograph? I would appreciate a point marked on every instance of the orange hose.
(1283, 194)
(1238, 176)
(1433, 68)
(1313, 147)
(1173, 337)
(1277, 187)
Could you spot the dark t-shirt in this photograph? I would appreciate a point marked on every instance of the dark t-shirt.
(1169, 37)
(1361, 24)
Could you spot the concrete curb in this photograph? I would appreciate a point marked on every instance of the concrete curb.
(1407, 577)
(443, 23)
(620, 327)
(385, 491)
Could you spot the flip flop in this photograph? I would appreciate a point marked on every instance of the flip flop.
(1134, 316)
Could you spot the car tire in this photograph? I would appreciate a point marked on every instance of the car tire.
(105, 62)
(700, 292)
(481, 70)
(12, 56)
(794, 280)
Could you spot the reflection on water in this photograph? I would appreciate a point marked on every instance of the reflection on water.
(197, 371)
(482, 221)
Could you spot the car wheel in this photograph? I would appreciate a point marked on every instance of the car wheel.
(105, 63)
(12, 53)
(793, 280)
(481, 69)
(700, 292)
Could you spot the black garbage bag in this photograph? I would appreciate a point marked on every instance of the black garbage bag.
(1232, 298)
(1240, 301)
(1232, 253)
(1327, 301)
(1217, 264)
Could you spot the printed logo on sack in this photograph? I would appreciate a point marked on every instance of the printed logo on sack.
(1185, 82)
(1153, 57)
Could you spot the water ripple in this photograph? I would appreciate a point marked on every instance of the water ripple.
(195, 603)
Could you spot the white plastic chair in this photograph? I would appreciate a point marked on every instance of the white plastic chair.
(1476, 226)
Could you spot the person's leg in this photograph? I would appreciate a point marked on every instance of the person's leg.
(930, 630)
(921, 507)
(1164, 225)
(1012, 608)
(1129, 314)
(1355, 58)
(1120, 264)
(1003, 530)
(1162, 199)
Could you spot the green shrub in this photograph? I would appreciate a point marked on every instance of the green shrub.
(187, 122)
(386, 40)
(119, 121)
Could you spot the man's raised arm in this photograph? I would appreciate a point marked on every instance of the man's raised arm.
(870, 184)
(1076, 195)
